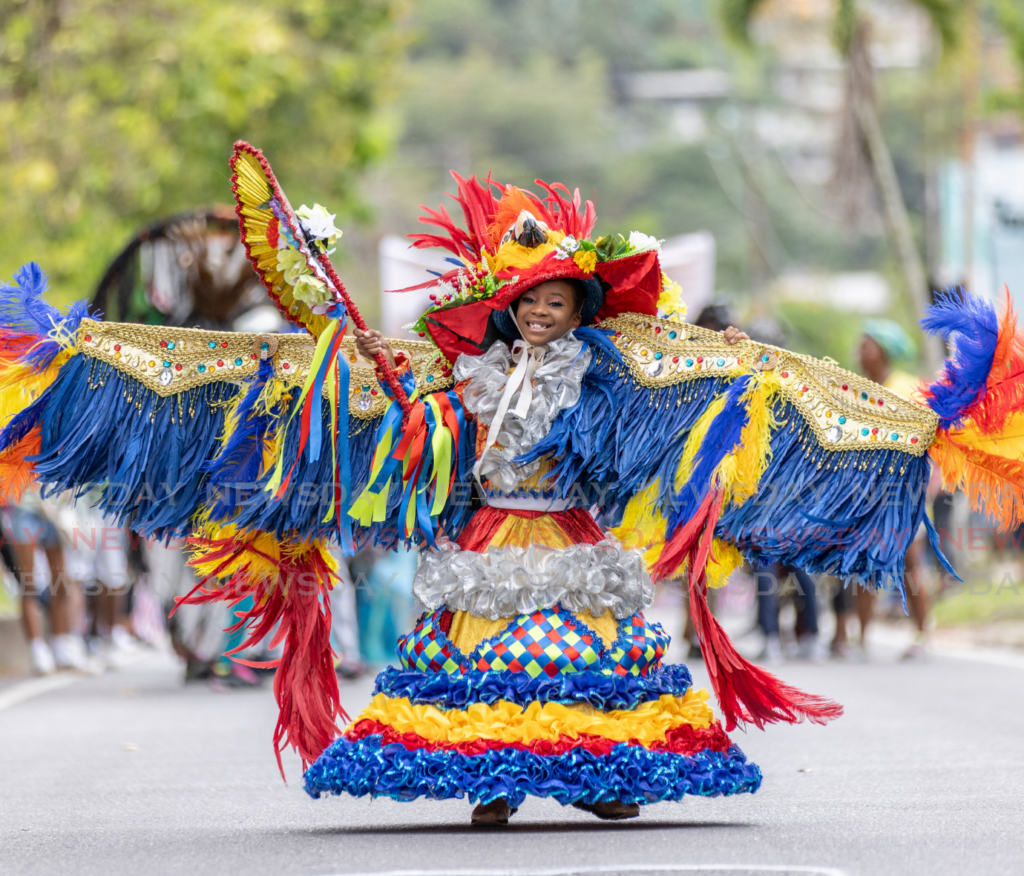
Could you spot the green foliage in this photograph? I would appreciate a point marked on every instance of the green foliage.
(114, 113)
(1010, 16)
(736, 16)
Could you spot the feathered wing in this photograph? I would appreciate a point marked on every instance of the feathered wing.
(145, 416)
(979, 398)
(819, 468)
(705, 454)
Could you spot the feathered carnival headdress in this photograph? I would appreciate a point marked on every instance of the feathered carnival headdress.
(513, 240)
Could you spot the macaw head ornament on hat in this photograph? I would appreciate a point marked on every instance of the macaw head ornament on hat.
(514, 240)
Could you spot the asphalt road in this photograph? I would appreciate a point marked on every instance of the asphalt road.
(135, 773)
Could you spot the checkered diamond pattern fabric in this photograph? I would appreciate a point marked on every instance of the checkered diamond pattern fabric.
(427, 649)
(639, 648)
(546, 642)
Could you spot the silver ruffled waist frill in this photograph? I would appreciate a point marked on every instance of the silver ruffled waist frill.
(507, 581)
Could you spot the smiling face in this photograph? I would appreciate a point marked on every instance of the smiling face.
(546, 312)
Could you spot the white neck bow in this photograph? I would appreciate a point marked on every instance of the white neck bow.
(528, 359)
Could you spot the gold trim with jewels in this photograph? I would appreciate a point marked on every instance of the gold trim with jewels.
(844, 410)
(169, 361)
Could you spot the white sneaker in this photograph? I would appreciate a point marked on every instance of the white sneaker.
(69, 652)
(42, 657)
(810, 649)
(772, 651)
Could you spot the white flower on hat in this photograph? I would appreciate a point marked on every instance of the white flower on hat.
(638, 240)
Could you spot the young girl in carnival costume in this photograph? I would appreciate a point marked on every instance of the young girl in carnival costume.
(556, 443)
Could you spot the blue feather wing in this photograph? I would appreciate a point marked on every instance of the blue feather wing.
(849, 515)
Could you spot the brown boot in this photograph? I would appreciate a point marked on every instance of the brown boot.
(610, 810)
(496, 812)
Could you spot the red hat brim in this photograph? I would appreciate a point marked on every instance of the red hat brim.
(634, 286)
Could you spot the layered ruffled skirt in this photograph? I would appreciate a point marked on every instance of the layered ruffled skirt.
(534, 672)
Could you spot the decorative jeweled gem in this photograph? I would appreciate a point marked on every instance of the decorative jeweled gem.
(213, 345)
(200, 368)
(170, 345)
(653, 369)
(874, 431)
(689, 363)
(842, 421)
(224, 344)
(657, 355)
(845, 387)
(117, 348)
(913, 439)
(238, 361)
(672, 335)
(863, 395)
(177, 368)
(220, 363)
(895, 436)
(834, 434)
(766, 358)
(166, 376)
(430, 378)
(88, 337)
(721, 362)
(286, 365)
(863, 431)
(167, 364)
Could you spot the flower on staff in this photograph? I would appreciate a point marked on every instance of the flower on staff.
(318, 223)
(310, 290)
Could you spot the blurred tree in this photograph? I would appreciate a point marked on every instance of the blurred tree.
(113, 113)
(862, 141)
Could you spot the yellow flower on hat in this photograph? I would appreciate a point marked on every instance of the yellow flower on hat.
(586, 260)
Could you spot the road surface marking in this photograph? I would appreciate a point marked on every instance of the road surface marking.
(753, 869)
(26, 690)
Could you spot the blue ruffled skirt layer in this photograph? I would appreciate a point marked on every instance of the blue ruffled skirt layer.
(545, 708)
(631, 774)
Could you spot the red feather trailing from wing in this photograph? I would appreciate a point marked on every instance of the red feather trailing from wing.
(745, 692)
(296, 595)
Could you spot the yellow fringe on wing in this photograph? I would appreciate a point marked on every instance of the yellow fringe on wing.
(257, 554)
(741, 471)
(695, 439)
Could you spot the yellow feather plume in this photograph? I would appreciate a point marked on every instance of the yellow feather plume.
(725, 559)
(740, 472)
(20, 385)
(989, 468)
